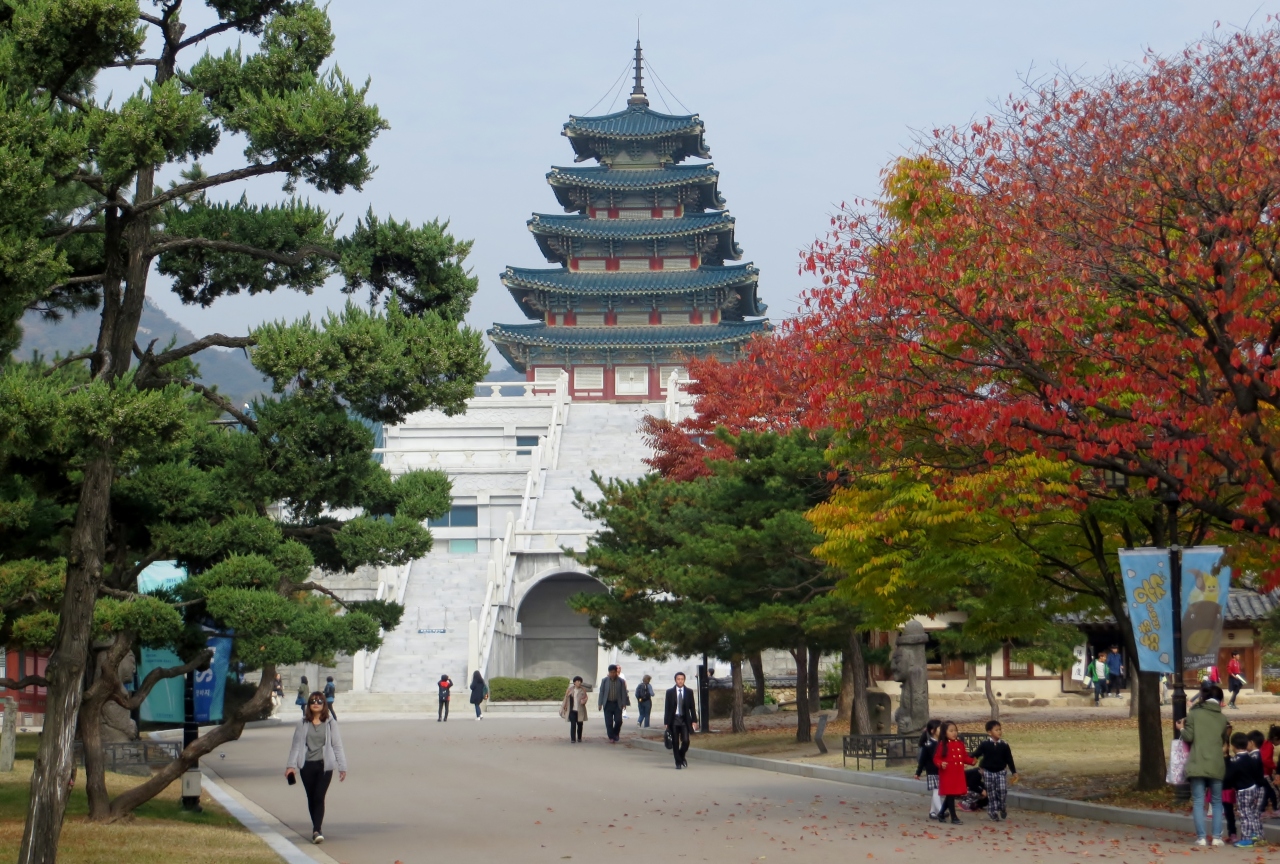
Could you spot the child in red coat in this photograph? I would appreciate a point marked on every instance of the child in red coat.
(951, 757)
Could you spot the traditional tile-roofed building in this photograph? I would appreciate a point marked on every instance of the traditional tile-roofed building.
(642, 282)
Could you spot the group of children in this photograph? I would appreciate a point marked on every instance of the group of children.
(1247, 788)
(943, 762)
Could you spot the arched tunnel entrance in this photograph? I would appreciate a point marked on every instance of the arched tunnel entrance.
(555, 640)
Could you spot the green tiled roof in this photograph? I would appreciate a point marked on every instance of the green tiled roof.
(523, 281)
(602, 177)
(574, 225)
(545, 226)
(684, 336)
(636, 121)
(642, 282)
(598, 137)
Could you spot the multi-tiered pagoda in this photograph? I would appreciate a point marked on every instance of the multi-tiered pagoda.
(642, 282)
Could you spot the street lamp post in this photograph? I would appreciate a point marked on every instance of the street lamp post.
(1175, 589)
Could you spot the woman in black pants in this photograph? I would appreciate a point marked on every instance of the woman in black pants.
(315, 753)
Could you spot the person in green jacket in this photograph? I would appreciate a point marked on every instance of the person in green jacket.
(1098, 677)
(1206, 730)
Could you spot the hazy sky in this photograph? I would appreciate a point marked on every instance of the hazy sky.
(804, 103)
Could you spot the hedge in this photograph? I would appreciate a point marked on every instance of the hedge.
(523, 690)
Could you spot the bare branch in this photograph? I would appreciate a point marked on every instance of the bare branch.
(210, 341)
(68, 360)
(118, 594)
(155, 676)
(23, 682)
(319, 589)
(214, 397)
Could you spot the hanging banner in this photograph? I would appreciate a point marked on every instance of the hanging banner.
(1081, 655)
(211, 683)
(1205, 587)
(1146, 588)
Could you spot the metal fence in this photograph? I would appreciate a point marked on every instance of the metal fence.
(895, 748)
(131, 754)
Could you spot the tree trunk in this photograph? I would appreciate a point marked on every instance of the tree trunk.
(1151, 748)
(735, 669)
(844, 704)
(991, 696)
(51, 774)
(757, 672)
(861, 724)
(815, 681)
(801, 655)
(228, 730)
(971, 673)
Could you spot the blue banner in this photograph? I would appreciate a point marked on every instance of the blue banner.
(211, 684)
(1205, 587)
(164, 704)
(1146, 588)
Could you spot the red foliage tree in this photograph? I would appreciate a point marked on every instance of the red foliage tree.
(1093, 275)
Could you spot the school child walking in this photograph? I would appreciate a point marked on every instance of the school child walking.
(951, 757)
(1098, 677)
(1268, 751)
(994, 758)
(925, 766)
(1249, 780)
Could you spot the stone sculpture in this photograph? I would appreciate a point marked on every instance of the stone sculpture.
(908, 666)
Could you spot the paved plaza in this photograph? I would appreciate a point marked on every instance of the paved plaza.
(515, 789)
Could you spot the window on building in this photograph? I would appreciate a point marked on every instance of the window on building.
(461, 516)
(547, 375)
(664, 375)
(1016, 669)
(463, 547)
(589, 319)
(588, 378)
(631, 381)
(633, 319)
(525, 444)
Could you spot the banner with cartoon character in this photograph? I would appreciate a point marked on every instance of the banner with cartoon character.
(1146, 588)
(1205, 586)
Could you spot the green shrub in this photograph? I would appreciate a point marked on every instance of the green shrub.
(523, 690)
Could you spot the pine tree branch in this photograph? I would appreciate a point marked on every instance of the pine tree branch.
(319, 589)
(211, 181)
(118, 594)
(210, 341)
(155, 676)
(214, 397)
(289, 259)
(68, 360)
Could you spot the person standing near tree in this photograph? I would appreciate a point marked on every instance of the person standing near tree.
(1098, 675)
(951, 757)
(1206, 730)
(612, 700)
(277, 695)
(479, 692)
(680, 715)
(644, 700)
(574, 708)
(303, 690)
(1115, 671)
(316, 752)
(1235, 680)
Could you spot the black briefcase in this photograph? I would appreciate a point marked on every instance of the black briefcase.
(667, 740)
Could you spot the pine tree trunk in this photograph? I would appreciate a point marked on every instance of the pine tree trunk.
(229, 730)
(801, 655)
(991, 696)
(51, 774)
(757, 672)
(735, 668)
(815, 681)
(844, 705)
(861, 724)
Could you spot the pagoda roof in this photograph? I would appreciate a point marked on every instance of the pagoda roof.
(545, 225)
(637, 123)
(560, 280)
(653, 336)
(635, 179)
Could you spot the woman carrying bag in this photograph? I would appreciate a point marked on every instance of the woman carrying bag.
(479, 692)
(574, 708)
(303, 692)
(316, 752)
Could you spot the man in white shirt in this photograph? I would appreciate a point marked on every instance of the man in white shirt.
(680, 717)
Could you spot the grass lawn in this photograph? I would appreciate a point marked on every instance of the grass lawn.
(1089, 760)
(160, 832)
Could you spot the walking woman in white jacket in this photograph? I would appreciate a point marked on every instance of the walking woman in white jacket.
(315, 753)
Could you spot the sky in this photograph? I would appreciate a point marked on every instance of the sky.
(804, 104)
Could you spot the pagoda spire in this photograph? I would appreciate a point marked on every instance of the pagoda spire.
(637, 91)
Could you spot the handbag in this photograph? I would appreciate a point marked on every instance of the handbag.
(667, 740)
(299, 701)
(1178, 752)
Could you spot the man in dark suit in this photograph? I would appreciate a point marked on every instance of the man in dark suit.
(680, 716)
(612, 701)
